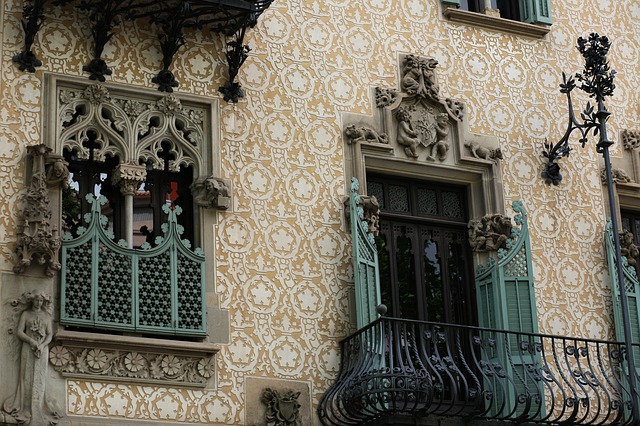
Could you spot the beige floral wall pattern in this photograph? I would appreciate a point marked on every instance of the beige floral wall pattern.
(282, 250)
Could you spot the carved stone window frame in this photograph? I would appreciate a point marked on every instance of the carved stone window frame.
(626, 173)
(464, 165)
(197, 356)
(473, 161)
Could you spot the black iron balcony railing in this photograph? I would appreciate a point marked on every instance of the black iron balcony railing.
(394, 369)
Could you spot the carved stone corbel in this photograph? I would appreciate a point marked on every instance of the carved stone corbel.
(627, 247)
(283, 408)
(618, 176)
(489, 233)
(211, 192)
(371, 209)
(358, 134)
(478, 151)
(36, 237)
(57, 171)
(128, 177)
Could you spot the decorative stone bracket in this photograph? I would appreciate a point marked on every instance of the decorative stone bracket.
(37, 237)
(371, 212)
(211, 192)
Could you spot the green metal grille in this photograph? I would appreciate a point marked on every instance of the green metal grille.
(153, 290)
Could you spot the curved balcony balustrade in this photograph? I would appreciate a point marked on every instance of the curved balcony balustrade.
(395, 369)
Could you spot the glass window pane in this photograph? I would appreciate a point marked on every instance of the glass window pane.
(405, 272)
(433, 285)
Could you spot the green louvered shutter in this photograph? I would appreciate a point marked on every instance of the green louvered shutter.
(535, 11)
(450, 2)
(632, 287)
(365, 261)
(506, 301)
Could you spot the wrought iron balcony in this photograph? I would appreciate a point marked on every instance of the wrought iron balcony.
(397, 371)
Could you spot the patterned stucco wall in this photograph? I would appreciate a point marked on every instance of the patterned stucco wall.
(282, 252)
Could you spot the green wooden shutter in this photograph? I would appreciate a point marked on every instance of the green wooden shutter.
(365, 261)
(506, 301)
(535, 11)
(451, 2)
(632, 287)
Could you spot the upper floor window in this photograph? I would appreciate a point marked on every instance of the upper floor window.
(503, 15)
(139, 171)
(424, 257)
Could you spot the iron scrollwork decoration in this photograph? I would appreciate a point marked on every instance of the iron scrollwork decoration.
(597, 81)
(230, 18)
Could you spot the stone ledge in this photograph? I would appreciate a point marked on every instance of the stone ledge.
(495, 23)
(114, 341)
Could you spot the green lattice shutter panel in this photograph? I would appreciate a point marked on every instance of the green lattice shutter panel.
(632, 287)
(365, 261)
(450, 2)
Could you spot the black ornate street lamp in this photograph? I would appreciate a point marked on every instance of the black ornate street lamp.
(597, 81)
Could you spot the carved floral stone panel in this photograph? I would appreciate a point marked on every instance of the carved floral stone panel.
(128, 365)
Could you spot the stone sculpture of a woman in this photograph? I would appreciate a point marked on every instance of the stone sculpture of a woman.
(29, 404)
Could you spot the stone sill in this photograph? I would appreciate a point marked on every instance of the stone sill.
(79, 338)
(495, 23)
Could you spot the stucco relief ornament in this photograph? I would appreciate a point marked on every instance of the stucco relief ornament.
(97, 94)
(283, 408)
(211, 192)
(631, 139)
(357, 134)
(430, 131)
(30, 403)
(37, 238)
(489, 233)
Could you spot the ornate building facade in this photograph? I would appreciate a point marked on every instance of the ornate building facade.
(178, 215)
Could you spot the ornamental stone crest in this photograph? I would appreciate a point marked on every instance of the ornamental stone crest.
(628, 248)
(283, 408)
(37, 238)
(489, 233)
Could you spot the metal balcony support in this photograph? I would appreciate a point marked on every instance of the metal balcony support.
(228, 17)
(596, 80)
(32, 19)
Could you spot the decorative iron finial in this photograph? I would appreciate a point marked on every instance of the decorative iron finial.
(597, 81)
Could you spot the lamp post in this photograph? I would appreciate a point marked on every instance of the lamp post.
(597, 81)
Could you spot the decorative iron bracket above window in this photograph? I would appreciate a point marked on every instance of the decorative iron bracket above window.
(228, 17)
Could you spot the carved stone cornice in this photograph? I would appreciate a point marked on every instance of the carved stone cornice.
(495, 23)
(128, 177)
(211, 192)
(127, 359)
(37, 238)
(489, 233)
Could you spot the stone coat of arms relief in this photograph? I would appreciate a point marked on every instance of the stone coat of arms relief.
(415, 124)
